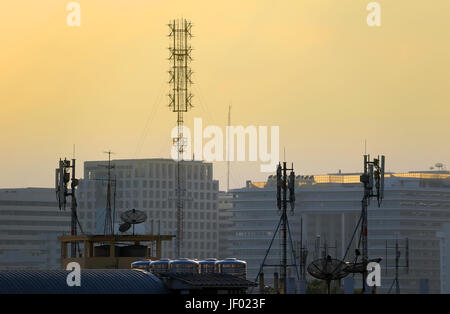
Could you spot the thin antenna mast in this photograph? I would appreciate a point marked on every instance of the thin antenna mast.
(228, 149)
(373, 181)
(180, 102)
(108, 227)
(285, 184)
(62, 178)
(397, 263)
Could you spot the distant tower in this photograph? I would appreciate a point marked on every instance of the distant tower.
(180, 101)
(228, 150)
(108, 227)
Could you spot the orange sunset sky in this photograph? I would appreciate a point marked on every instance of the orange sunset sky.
(312, 67)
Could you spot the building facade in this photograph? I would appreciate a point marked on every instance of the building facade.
(30, 223)
(225, 224)
(416, 206)
(149, 185)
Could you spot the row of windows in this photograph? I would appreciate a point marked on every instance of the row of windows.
(168, 184)
(161, 194)
(168, 227)
(20, 242)
(153, 194)
(155, 204)
(188, 215)
(201, 244)
(158, 170)
(31, 213)
(42, 223)
(250, 234)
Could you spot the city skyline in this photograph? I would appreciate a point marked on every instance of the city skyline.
(315, 69)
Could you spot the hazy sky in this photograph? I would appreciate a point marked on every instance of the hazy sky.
(314, 68)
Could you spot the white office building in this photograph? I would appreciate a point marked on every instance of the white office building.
(416, 206)
(30, 223)
(149, 185)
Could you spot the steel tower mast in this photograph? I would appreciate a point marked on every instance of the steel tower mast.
(373, 181)
(180, 101)
(108, 227)
(228, 149)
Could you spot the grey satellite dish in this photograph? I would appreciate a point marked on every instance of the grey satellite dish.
(327, 269)
(124, 227)
(130, 218)
(360, 267)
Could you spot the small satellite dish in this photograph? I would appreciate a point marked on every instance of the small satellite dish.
(359, 267)
(327, 269)
(133, 216)
(124, 227)
(130, 218)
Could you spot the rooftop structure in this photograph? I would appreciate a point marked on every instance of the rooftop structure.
(106, 251)
(119, 281)
(124, 281)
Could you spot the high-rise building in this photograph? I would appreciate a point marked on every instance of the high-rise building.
(416, 206)
(149, 185)
(225, 223)
(30, 223)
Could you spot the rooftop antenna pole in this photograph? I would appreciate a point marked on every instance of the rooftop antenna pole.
(284, 183)
(180, 101)
(62, 178)
(228, 149)
(284, 231)
(373, 181)
(108, 227)
(114, 204)
(397, 248)
(73, 207)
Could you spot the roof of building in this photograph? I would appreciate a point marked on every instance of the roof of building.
(209, 280)
(116, 238)
(347, 178)
(93, 281)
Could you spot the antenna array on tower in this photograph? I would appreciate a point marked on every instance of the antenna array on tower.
(180, 101)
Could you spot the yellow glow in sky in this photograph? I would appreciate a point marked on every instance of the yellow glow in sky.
(314, 68)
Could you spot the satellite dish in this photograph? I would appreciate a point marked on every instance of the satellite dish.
(133, 216)
(359, 267)
(327, 269)
(124, 227)
(130, 218)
